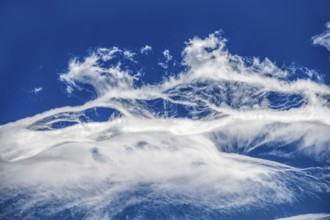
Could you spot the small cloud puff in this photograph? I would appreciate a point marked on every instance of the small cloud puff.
(37, 90)
(146, 49)
(323, 39)
(168, 57)
(129, 55)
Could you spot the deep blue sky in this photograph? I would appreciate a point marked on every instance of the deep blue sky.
(37, 37)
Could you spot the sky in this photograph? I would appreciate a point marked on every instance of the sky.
(165, 110)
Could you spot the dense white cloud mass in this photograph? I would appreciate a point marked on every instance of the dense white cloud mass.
(204, 138)
(323, 39)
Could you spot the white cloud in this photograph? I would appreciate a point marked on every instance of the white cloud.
(323, 39)
(168, 57)
(129, 55)
(318, 216)
(201, 158)
(37, 90)
(146, 49)
(101, 78)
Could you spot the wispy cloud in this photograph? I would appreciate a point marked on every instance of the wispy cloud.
(188, 139)
(168, 57)
(318, 216)
(90, 72)
(323, 39)
(36, 90)
(129, 55)
(146, 49)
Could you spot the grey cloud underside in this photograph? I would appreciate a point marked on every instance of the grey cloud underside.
(227, 133)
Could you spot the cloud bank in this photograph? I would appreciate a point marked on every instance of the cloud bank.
(224, 137)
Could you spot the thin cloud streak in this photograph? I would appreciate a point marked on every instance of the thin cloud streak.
(323, 39)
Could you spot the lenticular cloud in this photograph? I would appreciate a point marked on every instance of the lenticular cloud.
(224, 137)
